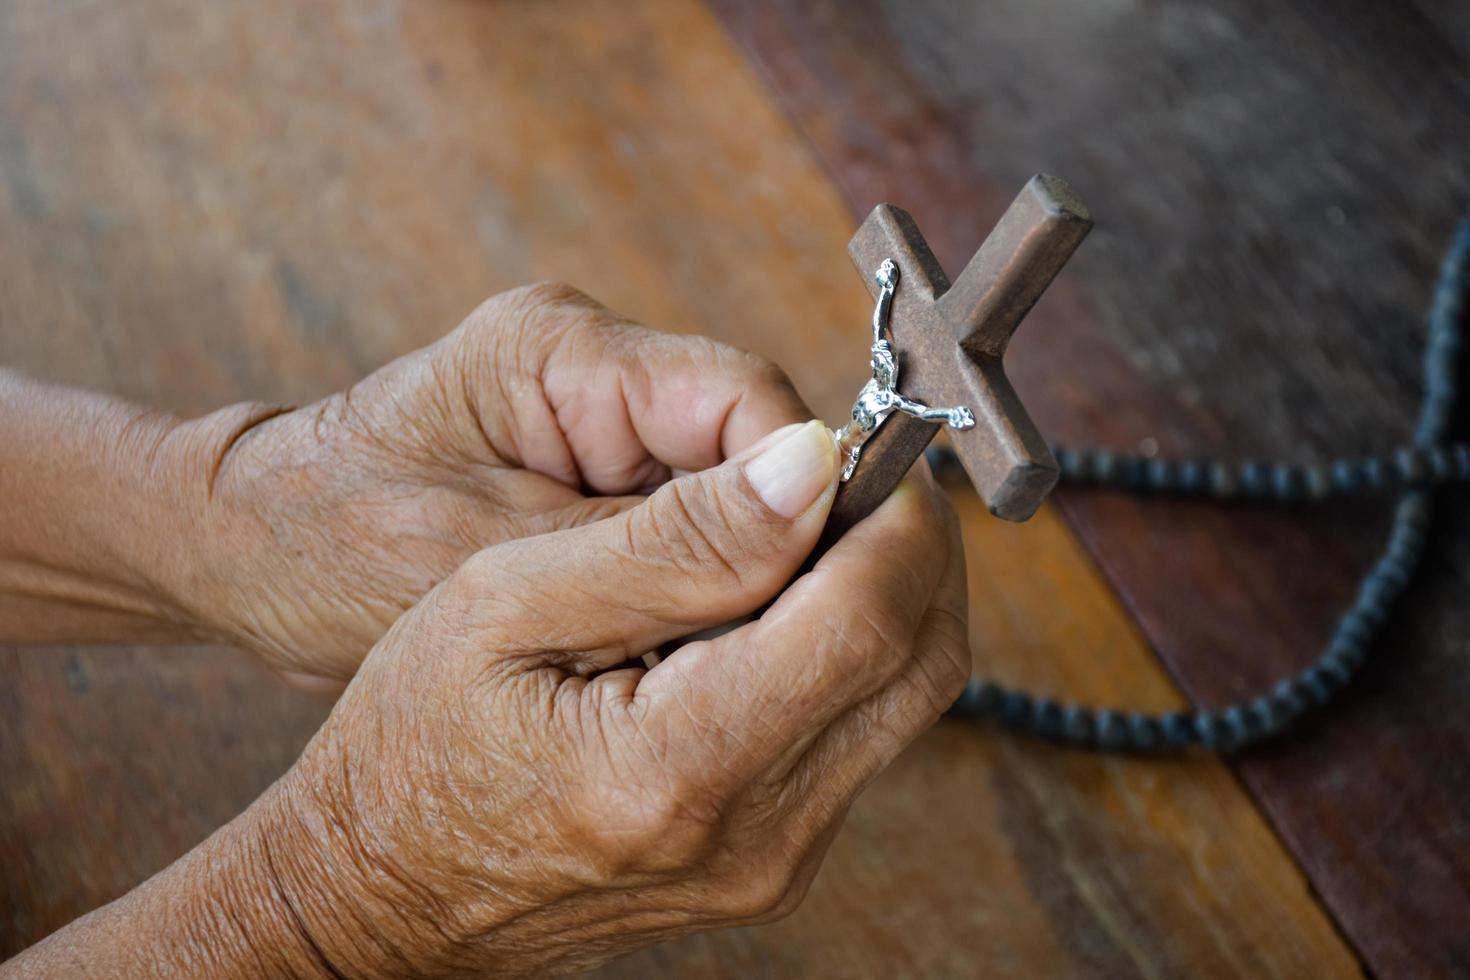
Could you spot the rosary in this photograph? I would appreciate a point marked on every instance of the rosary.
(956, 335)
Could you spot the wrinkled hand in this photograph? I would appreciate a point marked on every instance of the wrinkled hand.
(499, 791)
(542, 411)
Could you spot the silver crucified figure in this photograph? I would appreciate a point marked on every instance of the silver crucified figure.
(879, 397)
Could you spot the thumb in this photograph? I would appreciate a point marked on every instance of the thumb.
(702, 550)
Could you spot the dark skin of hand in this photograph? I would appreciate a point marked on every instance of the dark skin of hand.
(478, 540)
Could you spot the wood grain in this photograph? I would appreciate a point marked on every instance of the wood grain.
(204, 202)
(1273, 185)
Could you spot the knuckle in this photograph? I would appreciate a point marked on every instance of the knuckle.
(684, 820)
(956, 659)
(636, 828)
(761, 371)
(478, 575)
(946, 669)
(788, 904)
(536, 314)
(484, 598)
(762, 896)
(686, 528)
(549, 294)
(952, 680)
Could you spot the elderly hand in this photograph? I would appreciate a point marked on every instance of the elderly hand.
(499, 791)
(502, 787)
(542, 411)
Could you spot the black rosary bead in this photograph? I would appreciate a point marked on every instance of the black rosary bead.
(1046, 718)
(1143, 731)
(1110, 729)
(1264, 710)
(1317, 482)
(1133, 472)
(1395, 575)
(1254, 480)
(1438, 463)
(1077, 724)
(1015, 708)
(1286, 700)
(1374, 474)
(1223, 481)
(1410, 466)
(1409, 534)
(1413, 511)
(1351, 631)
(1351, 656)
(1192, 477)
(1373, 599)
(1070, 462)
(1211, 731)
(978, 700)
(1161, 476)
(1237, 727)
(1334, 671)
(1286, 482)
(1314, 688)
(1404, 550)
(1347, 476)
(1176, 729)
(1461, 456)
(987, 697)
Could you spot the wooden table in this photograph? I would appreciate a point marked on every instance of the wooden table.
(203, 202)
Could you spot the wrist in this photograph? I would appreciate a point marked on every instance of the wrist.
(241, 919)
(300, 901)
(98, 536)
(355, 908)
(218, 535)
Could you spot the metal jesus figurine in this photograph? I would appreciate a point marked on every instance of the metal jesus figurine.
(951, 339)
(879, 397)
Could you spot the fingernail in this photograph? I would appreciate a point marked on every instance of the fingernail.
(791, 473)
(766, 441)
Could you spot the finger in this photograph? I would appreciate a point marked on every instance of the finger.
(851, 752)
(839, 633)
(520, 504)
(326, 689)
(660, 401)
(578, 512)
(613, 406)
(702, 550)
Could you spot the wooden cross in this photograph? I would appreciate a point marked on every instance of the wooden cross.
(950, 341)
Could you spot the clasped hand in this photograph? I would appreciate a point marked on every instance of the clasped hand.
(483, 537)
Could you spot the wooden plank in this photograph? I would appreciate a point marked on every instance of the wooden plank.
(200, 202)
(1273, 186)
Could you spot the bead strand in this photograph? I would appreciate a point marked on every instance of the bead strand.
(1412, 473)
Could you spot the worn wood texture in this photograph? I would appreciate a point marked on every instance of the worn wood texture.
(1273, 186)
(952, 340)
(207, 201)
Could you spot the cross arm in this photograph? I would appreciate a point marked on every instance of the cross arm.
(1033, 240)
(1005, 455)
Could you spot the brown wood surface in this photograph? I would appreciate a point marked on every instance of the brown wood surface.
(1273, 185)
(201, 202)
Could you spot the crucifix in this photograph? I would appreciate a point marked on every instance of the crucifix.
(943, 365)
